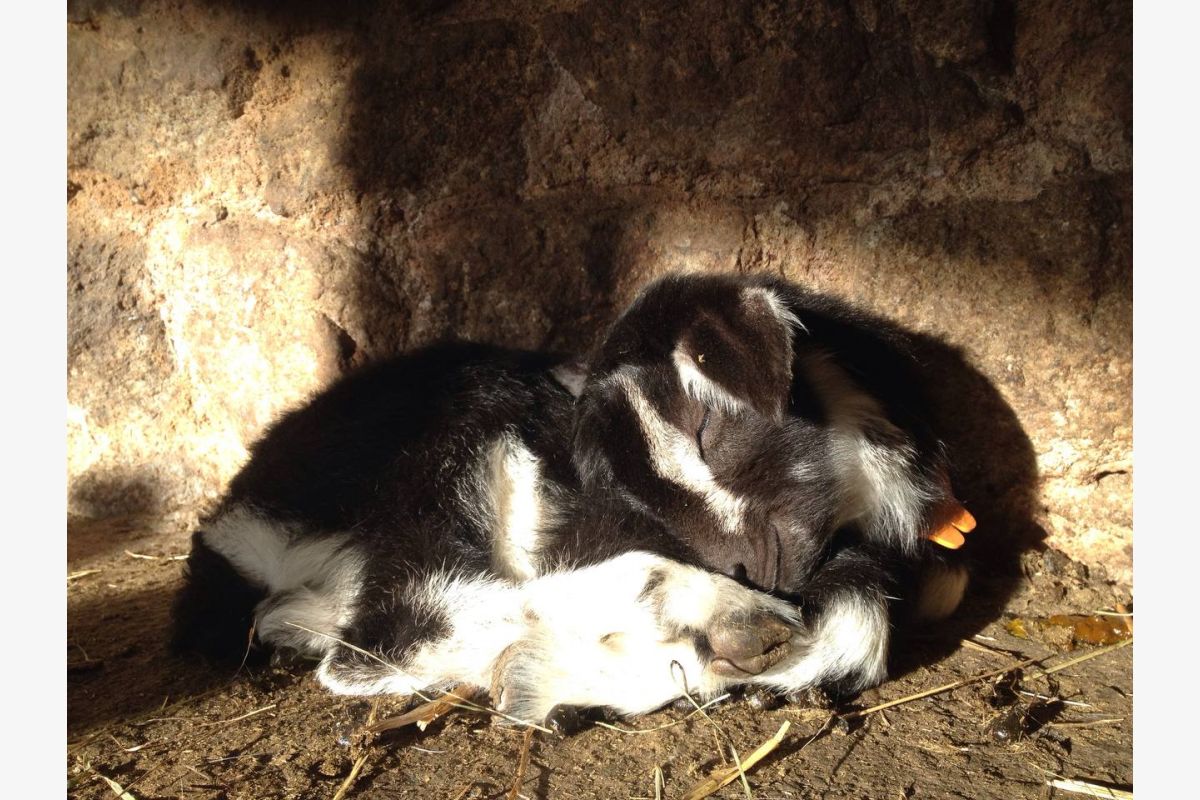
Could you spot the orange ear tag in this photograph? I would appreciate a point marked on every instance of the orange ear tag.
(948, 536)
(957, 522)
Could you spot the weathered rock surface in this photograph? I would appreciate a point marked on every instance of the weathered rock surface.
(263, 194)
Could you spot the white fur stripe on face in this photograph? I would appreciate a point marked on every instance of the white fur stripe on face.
(676, 458)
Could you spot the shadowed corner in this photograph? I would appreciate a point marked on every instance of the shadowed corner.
(994, 473)
(122, 670)
(117, 648)
(110, 511)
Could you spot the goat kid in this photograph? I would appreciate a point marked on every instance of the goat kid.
(738, 486)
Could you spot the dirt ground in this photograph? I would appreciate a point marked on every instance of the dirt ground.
(158, 726)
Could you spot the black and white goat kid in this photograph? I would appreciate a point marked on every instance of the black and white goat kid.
(741, 483)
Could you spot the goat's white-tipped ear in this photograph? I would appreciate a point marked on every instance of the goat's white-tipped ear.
(571, 375)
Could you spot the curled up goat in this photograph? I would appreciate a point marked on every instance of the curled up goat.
(741, 481)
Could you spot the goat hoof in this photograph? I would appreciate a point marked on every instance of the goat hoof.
(566, 720)
(750, 648)
(811, 697)
(765, 699)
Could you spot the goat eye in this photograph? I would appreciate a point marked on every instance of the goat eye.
(700, 431)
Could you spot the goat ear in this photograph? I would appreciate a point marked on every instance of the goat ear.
(745, 349)
(571, 375)
(587, 443)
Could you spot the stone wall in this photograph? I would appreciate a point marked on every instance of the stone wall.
(264, 194)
